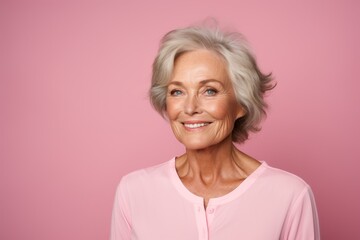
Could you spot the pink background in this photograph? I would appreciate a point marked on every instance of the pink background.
(75, 116)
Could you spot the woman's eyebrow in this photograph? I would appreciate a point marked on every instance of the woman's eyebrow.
(177, 83)
(203, 82)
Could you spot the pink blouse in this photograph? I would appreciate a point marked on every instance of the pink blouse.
(153, 204)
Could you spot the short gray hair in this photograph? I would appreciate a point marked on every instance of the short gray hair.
(249, 83)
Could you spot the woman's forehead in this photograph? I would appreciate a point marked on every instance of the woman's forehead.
(199, 65)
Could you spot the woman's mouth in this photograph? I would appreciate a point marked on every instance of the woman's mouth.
(195, 125)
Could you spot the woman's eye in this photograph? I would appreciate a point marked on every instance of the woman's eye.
(210, 92)
(175, 92)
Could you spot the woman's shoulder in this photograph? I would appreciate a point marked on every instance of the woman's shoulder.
(148, 174)
(283, 179)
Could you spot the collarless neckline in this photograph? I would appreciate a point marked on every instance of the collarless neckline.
(239, 190)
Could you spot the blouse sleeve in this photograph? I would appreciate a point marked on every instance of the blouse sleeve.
(120, 223)
(302, 221)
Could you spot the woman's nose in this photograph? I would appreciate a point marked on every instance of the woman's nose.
(192, 105)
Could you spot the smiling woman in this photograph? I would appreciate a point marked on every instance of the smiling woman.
(207, 84)
(201, 104)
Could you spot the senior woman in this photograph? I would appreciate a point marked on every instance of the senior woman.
(207, 84)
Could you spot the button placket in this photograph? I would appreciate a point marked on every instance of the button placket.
(201, 220)
(210, 212)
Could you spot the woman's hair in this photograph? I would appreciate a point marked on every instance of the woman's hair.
(248, 82)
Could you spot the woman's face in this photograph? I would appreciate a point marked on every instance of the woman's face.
(200, 102)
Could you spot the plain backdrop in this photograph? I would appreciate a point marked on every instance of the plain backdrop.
(74, 113)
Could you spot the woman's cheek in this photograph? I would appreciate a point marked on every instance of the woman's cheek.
(218, 109)
(172, 108)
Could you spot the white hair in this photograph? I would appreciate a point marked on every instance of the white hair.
(247, 80)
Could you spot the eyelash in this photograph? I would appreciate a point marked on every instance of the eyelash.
(212, 90)
(177, 92)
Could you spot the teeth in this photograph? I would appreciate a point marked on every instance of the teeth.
(195, 125)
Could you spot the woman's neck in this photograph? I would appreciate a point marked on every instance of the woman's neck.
(219, 161)
(214, 171)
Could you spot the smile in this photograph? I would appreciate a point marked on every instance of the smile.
(195, 125)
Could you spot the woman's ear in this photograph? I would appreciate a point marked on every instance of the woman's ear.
(240, 111)
(165, 114)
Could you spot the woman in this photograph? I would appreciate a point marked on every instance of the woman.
(207, 84)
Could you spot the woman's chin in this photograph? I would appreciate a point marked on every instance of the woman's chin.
(201, 143)
(197, 145)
